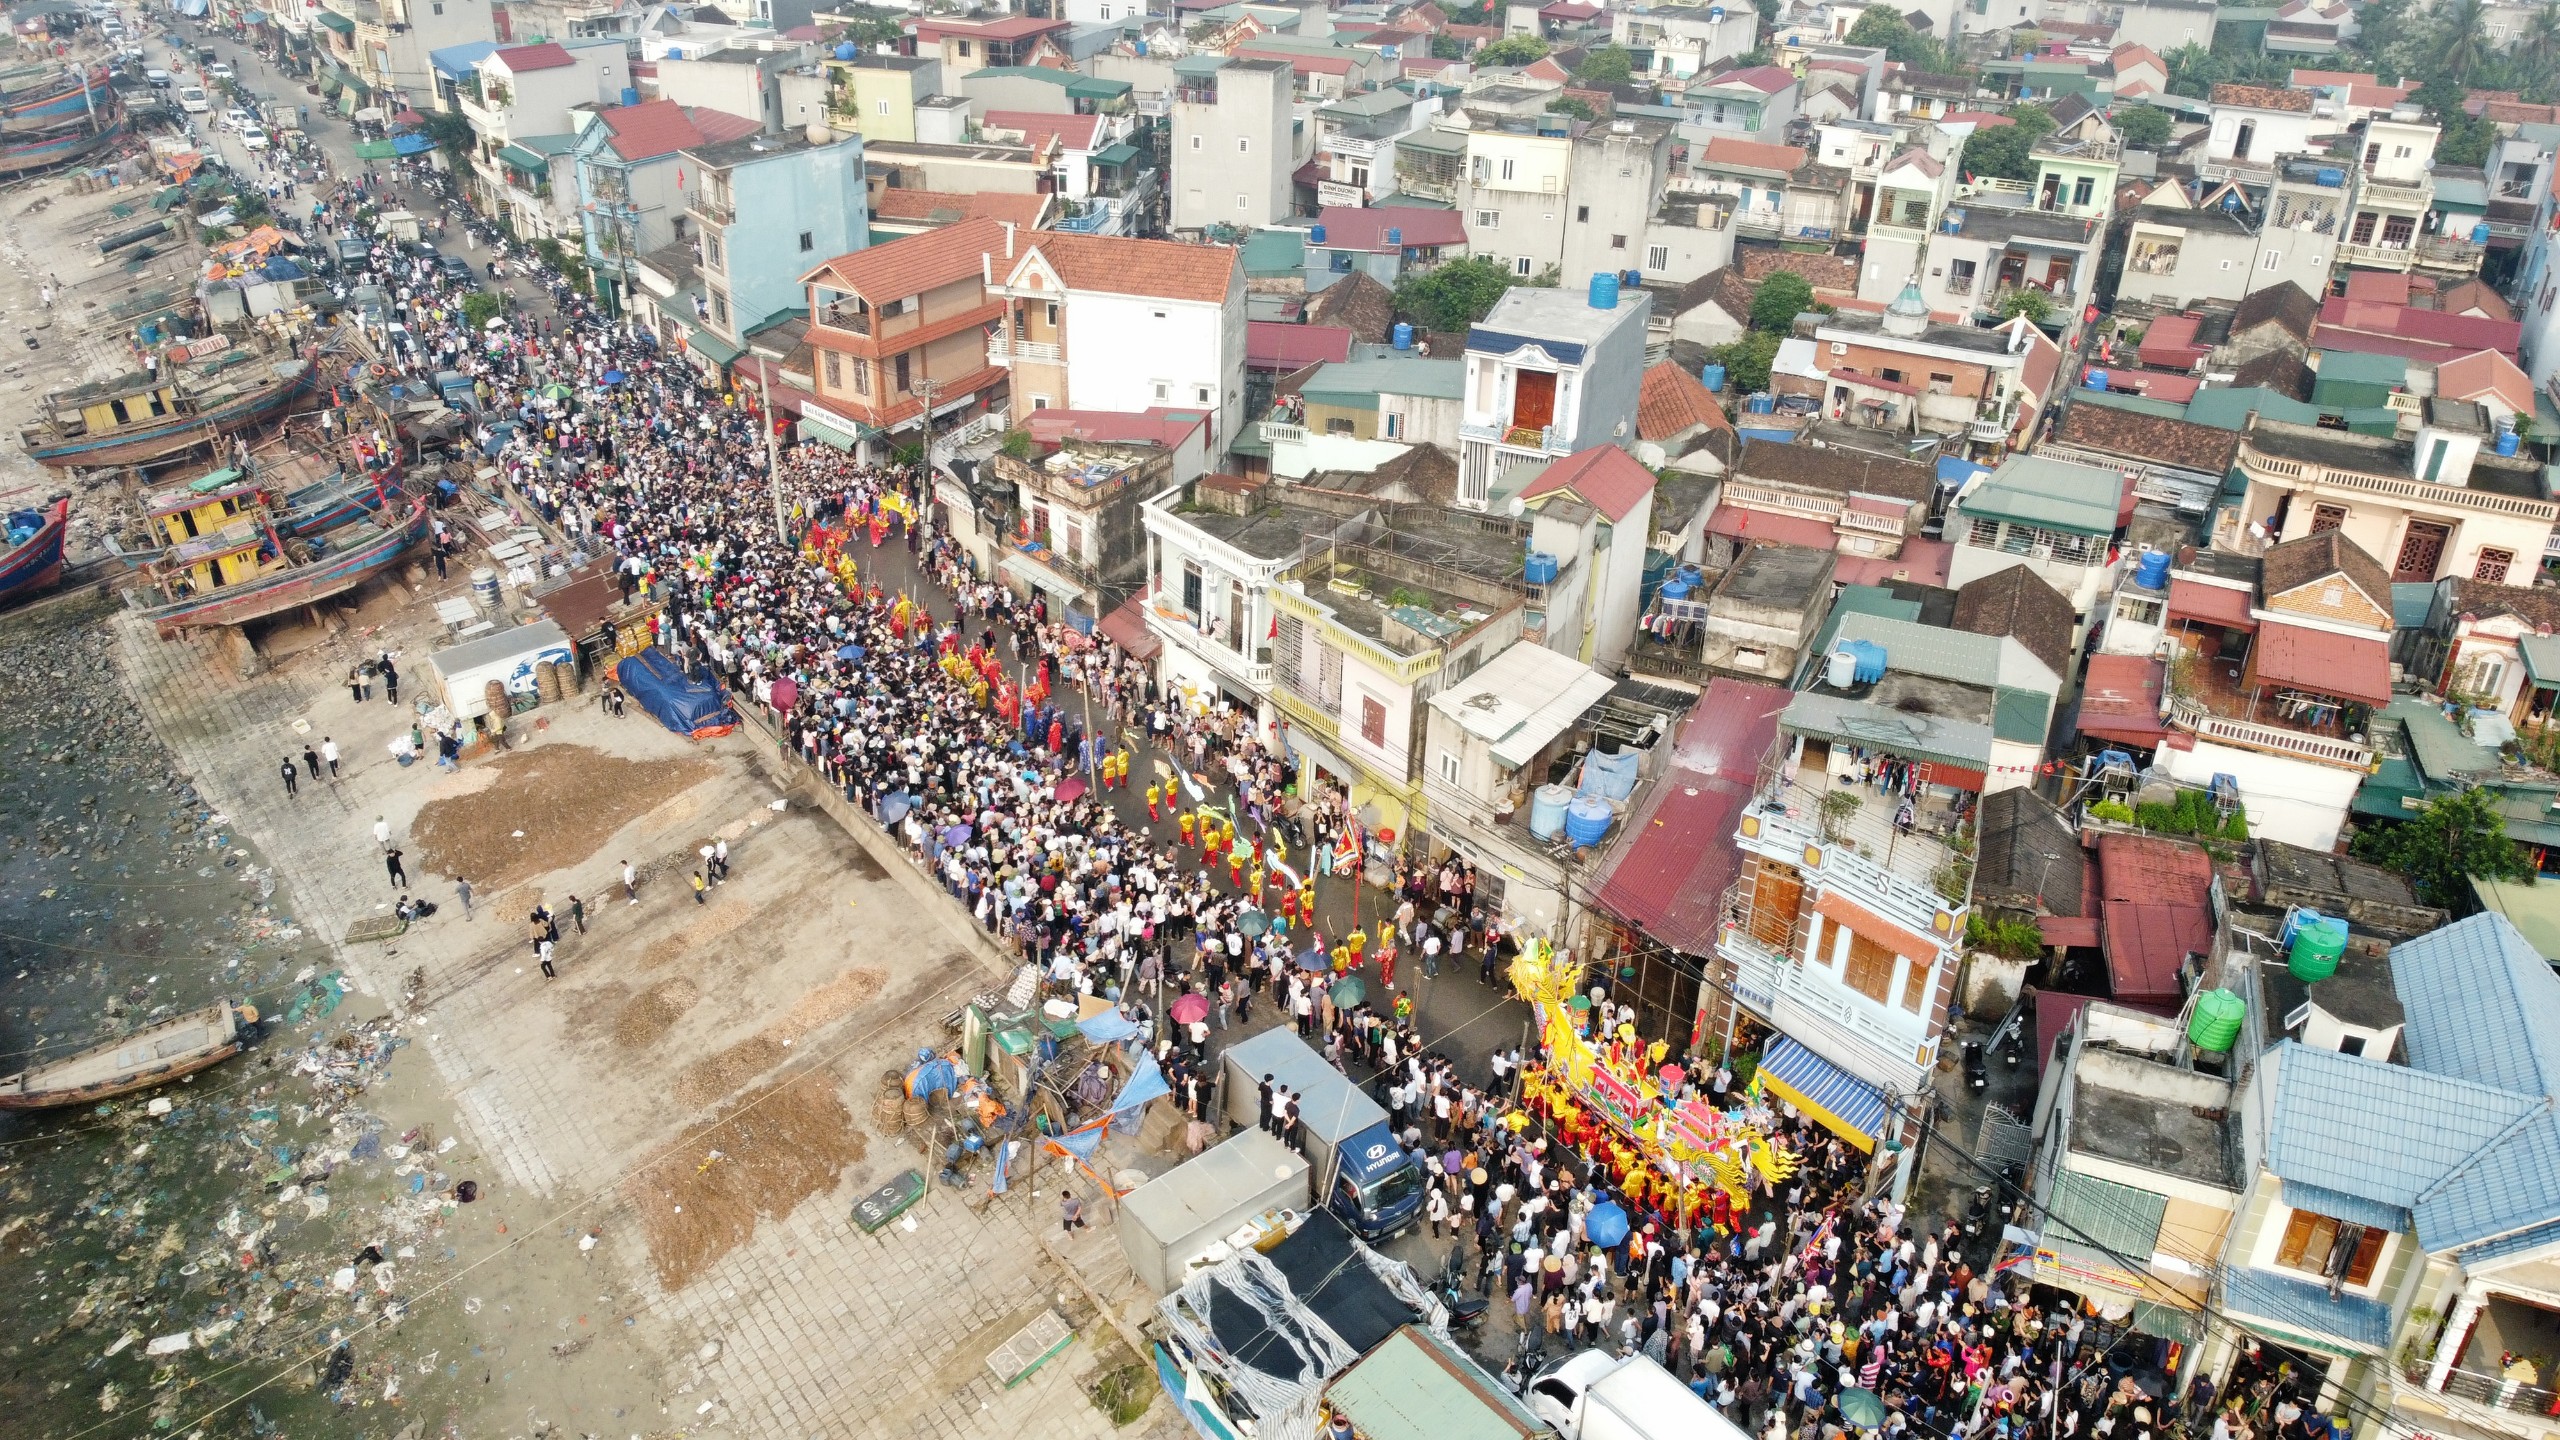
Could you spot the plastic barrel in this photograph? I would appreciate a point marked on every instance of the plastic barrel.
(2317, 944)
(1585, 821)
(1546, 809)
(2153, 572)
(484, 588)
(1604, 291)
(1540, 569)
(1712, 376)
(2215, 1022)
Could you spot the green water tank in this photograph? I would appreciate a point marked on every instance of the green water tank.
(2215, 1022)
(2317, 944)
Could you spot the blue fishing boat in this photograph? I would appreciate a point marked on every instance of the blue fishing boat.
(143, 418)
(51, 97)
(34, 557)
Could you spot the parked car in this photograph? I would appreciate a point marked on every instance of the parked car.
(193, 100)
(236, 118)
(219, 72)
(160, 79)
(455, 268)
(253, 140)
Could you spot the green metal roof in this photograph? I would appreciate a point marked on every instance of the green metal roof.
(2115, 1217)
(2533, 909)
(1120, 154)
(1275, 252)
(1359, 383)
(2022, 717)
(2054, 494)
(523, 159)
(1083, 87)
(708, 341)
(1416, 1386)
(2441, 751)
(2541, 658)
(547, 144)
(335, 21)
(1860, 600)
(2357, 367)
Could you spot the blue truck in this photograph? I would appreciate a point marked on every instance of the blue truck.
(1355, 1168)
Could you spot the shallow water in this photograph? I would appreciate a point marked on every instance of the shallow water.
(229, 1220)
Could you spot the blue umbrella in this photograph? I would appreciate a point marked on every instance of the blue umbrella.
(1606, 1224)
(614, 377)
(956, 834)
(1314, 960)
(851, 652)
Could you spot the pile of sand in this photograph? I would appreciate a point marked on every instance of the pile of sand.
(647, 1017)
(548, 807)
(776, 1147)
(707, 1080)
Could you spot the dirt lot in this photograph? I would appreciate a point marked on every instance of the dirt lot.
(772, 1148)
(545, 806)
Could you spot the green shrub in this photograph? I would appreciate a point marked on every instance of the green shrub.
(2112, 810)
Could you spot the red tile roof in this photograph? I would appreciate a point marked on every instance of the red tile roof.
(1606, 477)
(1270, 345)
(2486, 372)
(2388, 287)
(1672, 401)
(913, 264)
(1121, 266)
(1006, 27)
(1668, 877)
(1348, 227)
(525, 59)
(2171, 342)
(2324, 662)
(1979, 119)
(1075, 132)
(2213, 604)
(662, 127)
(2409, 332)
(1158, 425)
(2120, 700)
(1752, 155)
(1767, 79)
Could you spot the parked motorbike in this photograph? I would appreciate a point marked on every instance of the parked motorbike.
(1466, 1309)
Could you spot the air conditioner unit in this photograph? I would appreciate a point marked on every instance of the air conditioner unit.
(1839, 347)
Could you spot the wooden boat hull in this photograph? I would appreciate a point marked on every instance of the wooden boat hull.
(78, 1079)
(301, 585)
(21, 157)
(143, 444)
(339, 500)
(37, 563)
(69, 98)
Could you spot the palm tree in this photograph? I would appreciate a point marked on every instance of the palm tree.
(2463, 38)
(2539, 46)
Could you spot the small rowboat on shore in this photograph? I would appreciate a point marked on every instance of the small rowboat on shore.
(139, 1061)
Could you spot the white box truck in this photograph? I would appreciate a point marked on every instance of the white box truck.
(1597, 1396)
(1202, 1210)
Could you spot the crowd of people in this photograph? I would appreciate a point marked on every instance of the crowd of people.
(1007, 750)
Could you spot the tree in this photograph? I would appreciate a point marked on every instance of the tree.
(1606, 68)
(2451, 841)
(452, 135)
(2036, 305)
(1448, 47)
(1452, 295)
(1780, 299)
(1880, 27)
(1573, 105)
(1747, 361)
(2462, 37)
(2539, 46)
(2144, 127)
(1513, 50)
(480, 307)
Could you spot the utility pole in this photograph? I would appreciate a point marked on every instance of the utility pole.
(772, 456)
(928, 390)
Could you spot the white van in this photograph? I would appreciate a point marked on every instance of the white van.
(191, 98)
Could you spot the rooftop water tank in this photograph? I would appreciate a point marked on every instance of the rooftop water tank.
(1546, 809)
(2215, 1023)
(1404, 335)
(2317, 944)
(2095, 380)
(2331, 176)
(1713, 377)
(2480, 232)
(630, 96)
(1841, 670)
(2507, 439)
(1541, 568)
(848, 50)
(1585, 821)
(1871, 658)
(1316, 236)
(1630, 279)
(1395, 235)
(1675, 588)
(2153, 571)
(1604, 291)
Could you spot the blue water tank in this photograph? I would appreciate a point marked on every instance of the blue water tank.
(1713, 376)
(1764, 404)
(1540, 569)
(1142, 49)
(1404, 335)
(1675, 589)
(848, 50)
(2152, 573)
(1630, 279)
(1870, 657)
(1952, 222)
(1546, 809)
(2480, 233)
(2507, 440)
(2096, 380)
(2329, 175)
(1316, 236)
(1604, 291)
(1395, 235)
(1585, 821)
(630, 96)
(1715, 14)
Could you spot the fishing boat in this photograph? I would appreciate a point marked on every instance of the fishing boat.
(141, 418)
(34, 557)
(139, 1061)
(22, 155)
(310, 486)
(46, 95)
(248, 570)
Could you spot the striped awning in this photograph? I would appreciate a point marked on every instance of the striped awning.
(1852, 1109)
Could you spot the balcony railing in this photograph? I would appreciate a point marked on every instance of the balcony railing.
(1001, 351)
(1281, 432)
(2499, 1393)
(1518, 437)
(2196, 720)
(2441, 252)
(1836, 864)
(2378, 257)
(846, 318)
(2394, 489)
(721, 210)
(2401, 194)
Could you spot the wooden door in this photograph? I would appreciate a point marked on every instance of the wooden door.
(2421, 551)
(1777, 894)
(1533, 399)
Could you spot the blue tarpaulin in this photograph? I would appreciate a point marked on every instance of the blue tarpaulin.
(674, 699)
(1145, 1083)
(416, 142)
(1108, 1028)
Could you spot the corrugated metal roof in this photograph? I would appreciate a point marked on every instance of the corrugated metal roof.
(2482, 1005)
(2376, 1130)
(1522, 698)
(1668, 877)
(2303, 1311)
(2339, 1205)
(1416, 1386)
(2114, 1217)
(2052, 493)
